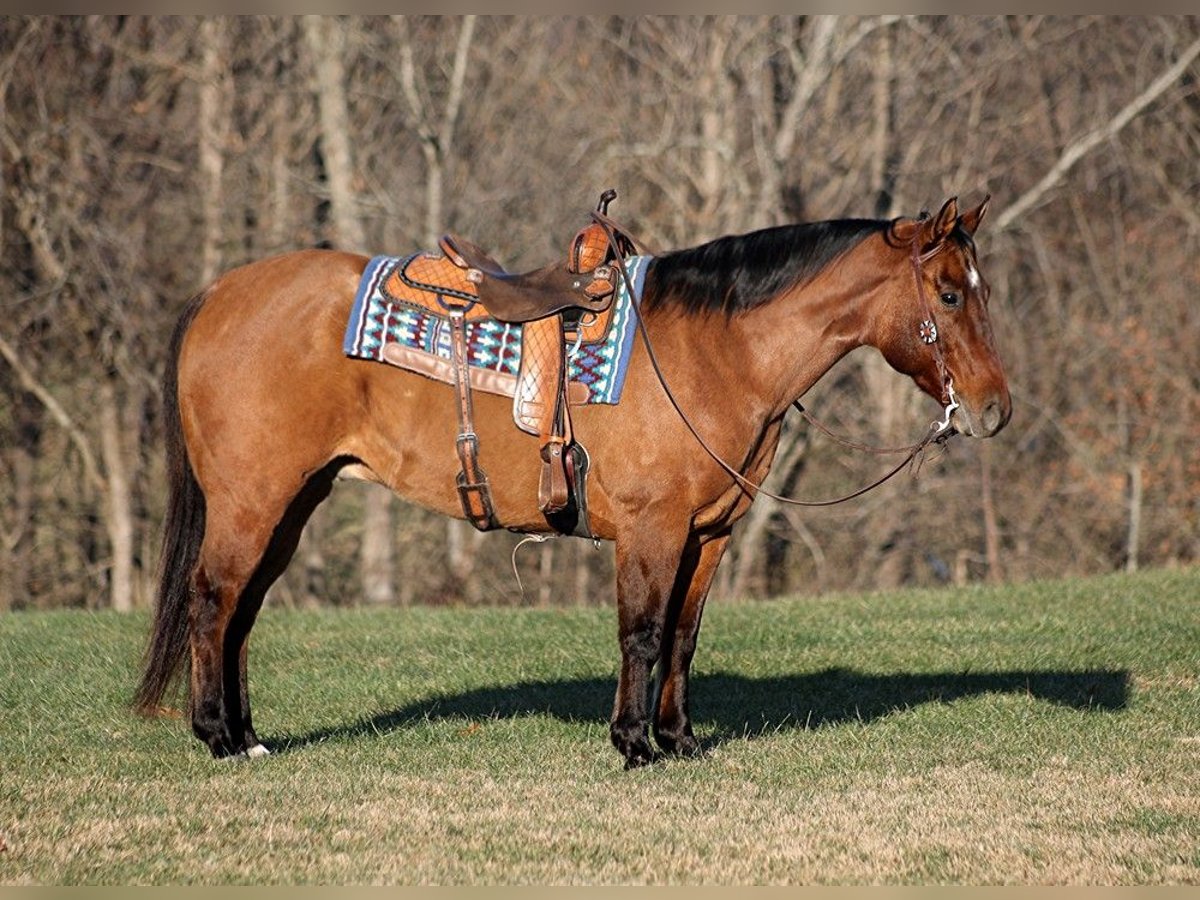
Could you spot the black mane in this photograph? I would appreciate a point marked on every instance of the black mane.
(736, 273)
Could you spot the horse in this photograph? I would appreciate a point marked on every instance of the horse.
(262, 411)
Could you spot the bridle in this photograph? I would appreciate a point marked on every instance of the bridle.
(928, 328)
(938, 432)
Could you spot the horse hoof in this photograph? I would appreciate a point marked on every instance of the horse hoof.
(256, 752)
(683, 746)
(639, 754)
(639, 760)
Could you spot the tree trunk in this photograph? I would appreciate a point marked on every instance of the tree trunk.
(137, 398)
(213, 129)
(991, 530)
(378, 562)
(119, 501)
(716, 143)
(883, 150)
(18, 532)
(546, 574)
(327, 42)
(1134, 528)
(583, 572)
(280, 227)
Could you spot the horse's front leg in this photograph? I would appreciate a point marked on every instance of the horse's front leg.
(647, 565)
(672, 719)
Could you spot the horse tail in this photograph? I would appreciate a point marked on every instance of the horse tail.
(183, 532)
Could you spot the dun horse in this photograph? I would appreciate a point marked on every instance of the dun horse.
(263, 410)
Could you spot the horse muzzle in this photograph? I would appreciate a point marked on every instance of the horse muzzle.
(982, 419)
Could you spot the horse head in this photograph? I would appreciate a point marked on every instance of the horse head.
(936, 327)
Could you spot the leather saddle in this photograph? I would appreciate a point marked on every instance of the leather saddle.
(533, 295)
(552, 304)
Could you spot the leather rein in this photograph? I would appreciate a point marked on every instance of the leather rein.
(938, 432)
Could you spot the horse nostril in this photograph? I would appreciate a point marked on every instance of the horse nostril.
(992, 417)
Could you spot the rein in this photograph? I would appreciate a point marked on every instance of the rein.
(938, 431)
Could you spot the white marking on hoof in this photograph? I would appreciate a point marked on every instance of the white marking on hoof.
(257, 751)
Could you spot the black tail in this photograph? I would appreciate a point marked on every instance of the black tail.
(183, 531)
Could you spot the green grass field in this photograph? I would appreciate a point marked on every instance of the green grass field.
(1045, 733)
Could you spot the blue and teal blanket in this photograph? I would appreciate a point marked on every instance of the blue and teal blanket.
(377, 320)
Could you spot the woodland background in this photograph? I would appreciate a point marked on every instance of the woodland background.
(141, 156)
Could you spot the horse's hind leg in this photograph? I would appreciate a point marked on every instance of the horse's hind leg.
(234, 544)
(275, 560)
(246, 546)
(228, 558)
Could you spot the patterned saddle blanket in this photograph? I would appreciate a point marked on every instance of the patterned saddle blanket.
(399, 318)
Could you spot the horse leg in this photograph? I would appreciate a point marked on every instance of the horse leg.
(227, 562)
(285, 539)
(672, 720)
(227, 590)
(647, 564)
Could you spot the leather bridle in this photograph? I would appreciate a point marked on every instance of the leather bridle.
(928, 328)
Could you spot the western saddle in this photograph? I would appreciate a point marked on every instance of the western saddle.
(551, 304)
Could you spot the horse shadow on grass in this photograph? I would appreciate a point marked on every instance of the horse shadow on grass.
(729, 706)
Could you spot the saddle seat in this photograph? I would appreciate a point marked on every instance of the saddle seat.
(461, 276)
(530, 296)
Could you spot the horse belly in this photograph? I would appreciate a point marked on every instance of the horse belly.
(407, 442)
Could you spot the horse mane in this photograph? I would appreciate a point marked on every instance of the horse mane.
(739, 272)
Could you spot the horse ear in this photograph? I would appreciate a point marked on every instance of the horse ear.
(943, 223)
(972, 217)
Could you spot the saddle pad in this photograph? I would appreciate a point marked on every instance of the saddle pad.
(380, 319)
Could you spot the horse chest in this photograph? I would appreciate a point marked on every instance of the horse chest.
(733, 501)
(723, 512)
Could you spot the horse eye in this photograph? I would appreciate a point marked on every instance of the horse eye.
(951, 299)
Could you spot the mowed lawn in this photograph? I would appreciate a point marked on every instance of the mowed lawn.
(1044, 733)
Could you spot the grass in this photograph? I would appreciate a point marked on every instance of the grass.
(1040, 734)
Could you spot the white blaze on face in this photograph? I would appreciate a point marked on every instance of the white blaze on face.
(972, 277)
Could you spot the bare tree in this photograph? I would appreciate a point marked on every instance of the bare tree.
(436, 131)
(326, 39)
(212, 135)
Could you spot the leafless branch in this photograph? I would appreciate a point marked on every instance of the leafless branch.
(30, 382)
(457, 79)
(1081, 146)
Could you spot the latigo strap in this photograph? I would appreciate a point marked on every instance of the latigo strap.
(473, 489)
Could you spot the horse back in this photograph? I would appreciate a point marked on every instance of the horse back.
(267, 391)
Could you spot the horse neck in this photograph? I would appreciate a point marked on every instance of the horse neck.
(799, 336)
